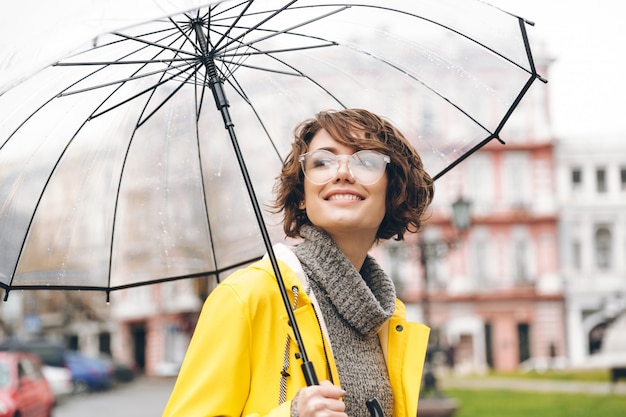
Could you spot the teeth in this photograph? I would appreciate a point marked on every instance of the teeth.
(343, 197)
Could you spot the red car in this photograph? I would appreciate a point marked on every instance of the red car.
(24, 391)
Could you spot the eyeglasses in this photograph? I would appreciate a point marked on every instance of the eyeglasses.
(366, 167)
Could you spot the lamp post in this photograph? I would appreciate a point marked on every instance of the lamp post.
(431, 250)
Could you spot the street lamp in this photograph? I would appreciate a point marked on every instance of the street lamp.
(461, 215)
(431, 250)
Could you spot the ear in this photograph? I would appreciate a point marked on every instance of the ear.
(302, 205)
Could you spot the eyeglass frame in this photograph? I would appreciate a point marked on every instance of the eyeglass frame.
(338, 157)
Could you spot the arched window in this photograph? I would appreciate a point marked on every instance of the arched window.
(596, 336)
(603, 247)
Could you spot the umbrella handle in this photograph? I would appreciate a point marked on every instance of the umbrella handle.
(374, 408)
(309, 372)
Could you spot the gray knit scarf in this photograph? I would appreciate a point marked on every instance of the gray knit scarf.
(354, 306)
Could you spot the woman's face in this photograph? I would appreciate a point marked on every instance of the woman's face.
(342, 205)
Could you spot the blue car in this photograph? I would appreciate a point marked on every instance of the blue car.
(89, 374)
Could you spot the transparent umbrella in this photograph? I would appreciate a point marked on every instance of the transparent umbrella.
(147, 153)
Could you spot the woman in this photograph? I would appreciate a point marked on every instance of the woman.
(351, 180)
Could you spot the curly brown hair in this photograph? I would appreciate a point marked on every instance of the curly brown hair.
(410, 188)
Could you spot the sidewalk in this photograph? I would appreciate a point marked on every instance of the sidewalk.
(593, 388)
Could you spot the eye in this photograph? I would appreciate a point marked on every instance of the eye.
(367, 159)
(322, 159)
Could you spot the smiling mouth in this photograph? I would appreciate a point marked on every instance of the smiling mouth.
(350, 197)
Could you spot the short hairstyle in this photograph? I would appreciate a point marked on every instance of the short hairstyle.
(410, 188)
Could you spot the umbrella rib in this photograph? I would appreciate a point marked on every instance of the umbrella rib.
(289, 30)
(168, 98)
(275, 51)
(151, 88)
(106, 63)
(226, 34)
(22, 245)
(274, 13)
(217, 272)
(131, 78)
(415, 78)
(232, 80)
(120, 61)
(446, 27)
(297, 72)
(199, 103)
(157, 45)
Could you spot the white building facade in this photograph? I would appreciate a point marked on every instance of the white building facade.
(591, 177)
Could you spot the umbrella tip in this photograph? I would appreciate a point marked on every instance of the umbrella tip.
(6, 294)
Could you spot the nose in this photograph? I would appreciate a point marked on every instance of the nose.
(343, 171)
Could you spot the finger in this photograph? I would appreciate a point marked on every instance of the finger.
(328, 390)
(311, 403)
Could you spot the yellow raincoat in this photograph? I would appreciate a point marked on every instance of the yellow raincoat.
(234, 361)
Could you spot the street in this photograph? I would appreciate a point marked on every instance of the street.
(144, 397)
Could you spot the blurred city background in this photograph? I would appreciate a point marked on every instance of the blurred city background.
(532, 281)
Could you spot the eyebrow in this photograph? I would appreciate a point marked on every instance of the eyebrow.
(333, 149)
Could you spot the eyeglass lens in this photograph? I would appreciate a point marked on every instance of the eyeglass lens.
(366, 167)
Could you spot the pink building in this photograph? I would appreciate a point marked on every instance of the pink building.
(494, 300)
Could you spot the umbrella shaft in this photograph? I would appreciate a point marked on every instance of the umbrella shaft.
(217, 87)
(221, 101)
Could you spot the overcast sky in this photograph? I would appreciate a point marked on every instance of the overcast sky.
(587, 81)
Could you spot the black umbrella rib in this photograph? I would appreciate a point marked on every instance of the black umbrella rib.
(133, 97)
(22, 245)
(232, 80)
(276, 51)
(434, 22)
(287, 30)
(168, 98)
(133, 62)
(216, 272)
(124, 80)
(156, 45)
(226, 34)
(197, 47)
(413, 77)
(296, 72)
(273, 14)
(121, 61)
(199, 101)
(446, 27)
(466, 155)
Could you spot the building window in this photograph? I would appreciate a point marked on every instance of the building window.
(601, 185)
(516, 187)
(603, 247)
(481, 260)
(523, 337)
(576, 255)
(520, 261)
(577, 179)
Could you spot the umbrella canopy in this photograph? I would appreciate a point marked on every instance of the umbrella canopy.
(116, 169)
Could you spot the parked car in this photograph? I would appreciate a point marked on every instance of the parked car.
(24, 391)
(89, 374)
(122, 372)
(60, 381)
(54, 368)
